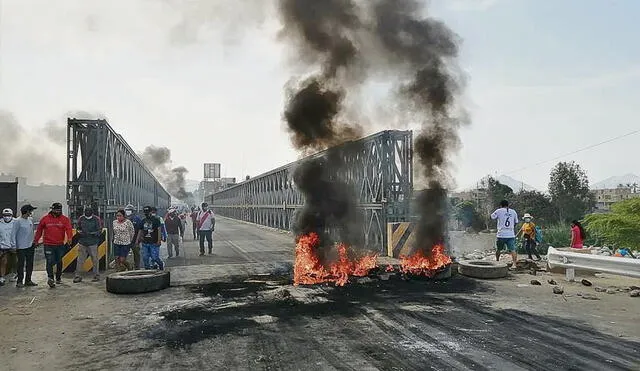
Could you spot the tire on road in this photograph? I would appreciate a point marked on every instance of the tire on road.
(483, 269)
(138, 282)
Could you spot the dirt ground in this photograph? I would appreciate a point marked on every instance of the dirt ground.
(265, 323)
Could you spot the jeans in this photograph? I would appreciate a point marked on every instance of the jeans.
(209, 236)
(25, 256)
(54, 255)
(195, 230)
(151, 254)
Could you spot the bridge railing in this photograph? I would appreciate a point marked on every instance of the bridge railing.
(380, 172)
(105, 172)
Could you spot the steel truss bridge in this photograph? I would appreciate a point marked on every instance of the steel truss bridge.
(104, 172)
(380, 173)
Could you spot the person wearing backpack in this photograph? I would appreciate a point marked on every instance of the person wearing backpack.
(528, 231)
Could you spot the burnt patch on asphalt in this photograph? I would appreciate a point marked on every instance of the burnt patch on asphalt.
(387, 324)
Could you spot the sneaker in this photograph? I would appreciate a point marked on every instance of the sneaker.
(14, 278)
(96, 279)
(19, 284)
(201, 254)
(51, 283)
(1, 281)
(59, 281)
(30, 284)
(77, 279)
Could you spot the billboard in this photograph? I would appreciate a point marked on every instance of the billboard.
(211, 171)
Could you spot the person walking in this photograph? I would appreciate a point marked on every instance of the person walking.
(89, 229)
(194, 222)
(206, 226)
(136, 220)
(123, 237)
(528, 231)
(57, 232)
(7, 242)
(150, 238)
(577, 235)
(23, 232)
(175, 232)
(506, 220)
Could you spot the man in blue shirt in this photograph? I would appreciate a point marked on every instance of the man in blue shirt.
(150, 236)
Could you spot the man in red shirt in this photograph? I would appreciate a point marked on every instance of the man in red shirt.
(57, 232)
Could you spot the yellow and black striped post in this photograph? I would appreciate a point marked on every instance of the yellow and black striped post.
(400, 238)
(70, 259)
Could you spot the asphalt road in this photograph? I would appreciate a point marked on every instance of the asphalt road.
(240, 321)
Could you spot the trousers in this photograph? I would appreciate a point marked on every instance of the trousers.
(151, 256)
(25, 258)
(53, 255)
(91, 251)
(173, 241)
(208, 235)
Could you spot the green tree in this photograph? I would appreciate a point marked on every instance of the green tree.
(537, 204)
(620, 227)
(468, 216)
(569, 190)
(494, 192)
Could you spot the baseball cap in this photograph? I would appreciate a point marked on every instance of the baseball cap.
(146, 209)
(27, 208)
(7, 211)
(129, 207)
(56, 206)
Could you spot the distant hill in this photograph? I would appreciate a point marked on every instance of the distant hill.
(614, 181)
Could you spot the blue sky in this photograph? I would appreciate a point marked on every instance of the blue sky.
(544, 78)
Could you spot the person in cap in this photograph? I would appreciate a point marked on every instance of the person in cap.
(23, 234)
(136, 220)
(163, 229)
(528, 231)
(206, 226)
(7, 242)
(56, 231)
(150, 239)
(89, 231)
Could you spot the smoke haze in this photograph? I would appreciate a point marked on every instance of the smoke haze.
(158, 160)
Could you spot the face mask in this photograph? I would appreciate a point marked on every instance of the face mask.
(57, 213)
(527, 220)
(88, 214)
(153, 214)
(7, 218)
(128, 212)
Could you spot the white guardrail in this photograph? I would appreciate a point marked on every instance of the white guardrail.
(595, 263)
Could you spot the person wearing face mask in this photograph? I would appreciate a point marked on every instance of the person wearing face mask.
(7, 242)
(123, 234)
(150, 238)
(175, 231)
(89, 229)
(57, 232)
(528, 231)
(136, 220)
(163, 228)
(23, 231)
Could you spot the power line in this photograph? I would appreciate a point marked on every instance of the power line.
(574, 152)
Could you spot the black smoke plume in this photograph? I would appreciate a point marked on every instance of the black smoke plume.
(158, 160)
(321, 30)
(347, 41)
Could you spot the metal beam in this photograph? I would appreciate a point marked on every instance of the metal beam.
(380, 173)
(105, 172)
(593, 263)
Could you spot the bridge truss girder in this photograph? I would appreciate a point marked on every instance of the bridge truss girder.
(105, 172)
(380, 173)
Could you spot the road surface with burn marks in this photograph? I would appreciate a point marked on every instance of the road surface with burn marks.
(262, 322)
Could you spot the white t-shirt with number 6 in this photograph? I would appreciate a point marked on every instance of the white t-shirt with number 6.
(507, 220)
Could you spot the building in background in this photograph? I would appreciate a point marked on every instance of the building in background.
(607, 197)
(40, 196)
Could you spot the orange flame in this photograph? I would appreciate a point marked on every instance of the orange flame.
(419, 264)
(308, 269)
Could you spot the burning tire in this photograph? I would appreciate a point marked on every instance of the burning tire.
(483, 269)
(138, 282)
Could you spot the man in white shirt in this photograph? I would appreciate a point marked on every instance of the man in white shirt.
(206, 225)
(507, 220)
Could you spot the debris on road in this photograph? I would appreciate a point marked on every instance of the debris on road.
(600, 289)
(590, 297)
(611, 291)
(558, 290)
(634, 293)
(536, 283)
(552, 282)
(586, 282)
